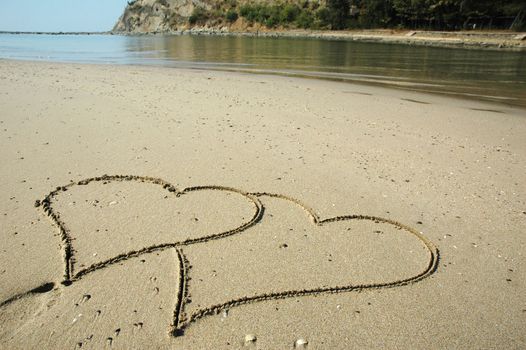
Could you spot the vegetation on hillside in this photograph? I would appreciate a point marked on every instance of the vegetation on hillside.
(361, 14)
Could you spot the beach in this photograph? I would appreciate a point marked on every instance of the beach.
(478, 40)
(149, 207)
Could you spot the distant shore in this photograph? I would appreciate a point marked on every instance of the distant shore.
(492, 40)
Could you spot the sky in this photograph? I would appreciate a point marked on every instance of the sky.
(60, 15)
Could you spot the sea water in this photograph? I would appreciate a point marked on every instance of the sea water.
(476, 73)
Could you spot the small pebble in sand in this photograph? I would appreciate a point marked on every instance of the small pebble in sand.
(301, 343)
(250, 338)
(113, 202)
(76, 319)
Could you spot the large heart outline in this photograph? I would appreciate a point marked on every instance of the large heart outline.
(180, 320)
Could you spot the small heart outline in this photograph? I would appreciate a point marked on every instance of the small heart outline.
(66, 237)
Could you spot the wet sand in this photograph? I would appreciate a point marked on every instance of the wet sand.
(166, 208)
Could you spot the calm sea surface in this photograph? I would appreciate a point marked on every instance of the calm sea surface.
(488, 75)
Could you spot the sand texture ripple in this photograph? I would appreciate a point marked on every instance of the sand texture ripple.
(183, 209)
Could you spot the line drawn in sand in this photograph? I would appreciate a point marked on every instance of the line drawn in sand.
(181, 320)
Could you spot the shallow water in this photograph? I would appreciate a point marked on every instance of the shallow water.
(489, 75)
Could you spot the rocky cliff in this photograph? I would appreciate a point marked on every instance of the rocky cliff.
(155, 15)
(149, 16)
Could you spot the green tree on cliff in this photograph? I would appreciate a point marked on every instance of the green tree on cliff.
(425, 14)
(338, 13)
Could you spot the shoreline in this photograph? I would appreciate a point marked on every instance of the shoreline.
(494, 40)
(466, 96)
(468, 40)
(497, 101)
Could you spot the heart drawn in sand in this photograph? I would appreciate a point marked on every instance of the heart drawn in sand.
(194, 215)
(113, 222)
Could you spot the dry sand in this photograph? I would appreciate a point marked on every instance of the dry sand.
(267, 209)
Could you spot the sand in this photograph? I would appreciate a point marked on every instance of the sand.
(183, 209)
